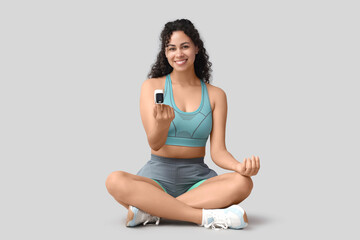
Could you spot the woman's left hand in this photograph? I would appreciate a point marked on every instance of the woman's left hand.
(249, 167)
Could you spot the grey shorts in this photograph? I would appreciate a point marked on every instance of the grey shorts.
(176, 175)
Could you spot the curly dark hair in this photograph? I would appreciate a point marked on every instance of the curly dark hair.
(202, 65)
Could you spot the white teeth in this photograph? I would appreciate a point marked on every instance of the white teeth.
(181, 62)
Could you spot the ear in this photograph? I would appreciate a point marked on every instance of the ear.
(196, 50)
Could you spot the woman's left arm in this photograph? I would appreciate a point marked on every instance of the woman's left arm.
(219, 154)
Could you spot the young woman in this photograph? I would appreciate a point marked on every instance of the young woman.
(176, 183)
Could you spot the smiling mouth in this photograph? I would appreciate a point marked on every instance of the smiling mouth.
(181, 62)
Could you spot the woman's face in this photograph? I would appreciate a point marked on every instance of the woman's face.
(181, 51)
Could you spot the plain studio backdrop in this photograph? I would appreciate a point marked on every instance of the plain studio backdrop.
(71, 73)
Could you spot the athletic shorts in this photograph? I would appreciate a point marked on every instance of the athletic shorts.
(176, 175)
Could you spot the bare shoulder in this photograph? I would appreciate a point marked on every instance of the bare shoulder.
(153, 83)
(216, 95)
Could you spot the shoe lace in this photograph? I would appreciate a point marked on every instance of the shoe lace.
(152, 219)
(220, 222)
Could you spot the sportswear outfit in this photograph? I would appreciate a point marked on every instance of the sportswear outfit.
(179, 175)
(191, 129)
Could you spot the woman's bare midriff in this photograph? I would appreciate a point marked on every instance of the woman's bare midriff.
(172, 151)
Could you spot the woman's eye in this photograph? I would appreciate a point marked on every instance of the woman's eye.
(171, 49)
(185, 46)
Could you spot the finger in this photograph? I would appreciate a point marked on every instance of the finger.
(154, 111)
(253, 165)
(256, 169)
(257, 164)
(158, 110)
(172, 113)
(248, 166)
(169, 112)
(165, 111)
(161, 111)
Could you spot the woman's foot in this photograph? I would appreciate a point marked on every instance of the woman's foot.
(232, 217)
(136, 216)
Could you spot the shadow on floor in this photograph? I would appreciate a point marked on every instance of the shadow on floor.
(256, 221)
(169, 222)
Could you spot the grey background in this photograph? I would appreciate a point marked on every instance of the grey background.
(71, 73)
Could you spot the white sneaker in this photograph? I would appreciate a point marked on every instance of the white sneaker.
(136, 216)
(232, 217)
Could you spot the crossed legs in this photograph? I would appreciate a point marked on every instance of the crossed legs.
(217, 192)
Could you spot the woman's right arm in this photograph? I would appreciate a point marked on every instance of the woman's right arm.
(156, 118)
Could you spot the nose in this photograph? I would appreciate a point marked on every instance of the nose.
(179, 53)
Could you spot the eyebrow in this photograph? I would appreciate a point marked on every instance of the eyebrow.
(180, 44)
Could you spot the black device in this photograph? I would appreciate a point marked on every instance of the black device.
(159, 96)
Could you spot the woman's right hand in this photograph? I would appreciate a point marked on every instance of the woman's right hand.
(163, 114)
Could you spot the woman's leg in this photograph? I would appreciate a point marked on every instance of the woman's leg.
(218, 192)
(148, 180)
(145, 194)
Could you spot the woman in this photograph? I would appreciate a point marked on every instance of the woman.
(175, 183)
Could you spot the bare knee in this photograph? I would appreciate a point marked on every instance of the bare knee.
(247, 184)
(242, 186)
(116, 183)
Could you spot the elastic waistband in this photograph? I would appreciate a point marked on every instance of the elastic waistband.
(176, 160)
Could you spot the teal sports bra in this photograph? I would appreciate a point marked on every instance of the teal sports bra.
(190, 129)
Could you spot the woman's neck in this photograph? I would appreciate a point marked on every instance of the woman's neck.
(184, 78)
